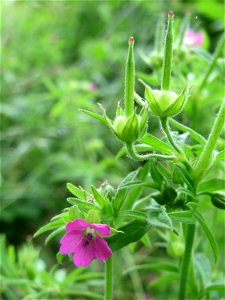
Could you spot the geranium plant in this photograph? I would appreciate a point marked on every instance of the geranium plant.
(163, 192)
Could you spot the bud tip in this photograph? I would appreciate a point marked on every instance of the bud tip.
(170, 13)
(131, 40)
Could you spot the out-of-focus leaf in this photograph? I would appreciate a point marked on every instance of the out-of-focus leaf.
(211, 185)
(78, 192)
(163, 266)
(50, 226)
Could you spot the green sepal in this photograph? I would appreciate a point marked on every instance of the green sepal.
(130, 132)
(177, 106)
(150, 98)
(143, 119)
(119, 110)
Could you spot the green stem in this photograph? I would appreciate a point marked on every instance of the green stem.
(109, 279)
(168, 54)
(216, 55)
(166, 129)
(136, 156)
(129, 80)
(185, 263)
(205, 157)
(199, 138)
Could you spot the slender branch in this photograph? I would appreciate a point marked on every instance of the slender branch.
(136, 156)
(205, 157)
(216, 55)
(109, 279)
(185, 263)
(166, 129)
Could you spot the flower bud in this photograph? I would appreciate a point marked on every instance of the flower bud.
(165, 103)
(218, 200)
(129, 129)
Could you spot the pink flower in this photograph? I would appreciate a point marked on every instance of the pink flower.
(193, 38)
(85, 241)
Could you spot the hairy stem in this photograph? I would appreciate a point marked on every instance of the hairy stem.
(205, 157)
(136, 156)
(185, 263)
(166, 129)
(109, 279)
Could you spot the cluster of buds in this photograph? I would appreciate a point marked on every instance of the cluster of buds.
(130, 128)
(128, 125)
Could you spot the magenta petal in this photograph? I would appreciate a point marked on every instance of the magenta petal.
(70, 242)
(84, 255)
(102, 229)
(77, 225)
(199, 39)
(102, 250)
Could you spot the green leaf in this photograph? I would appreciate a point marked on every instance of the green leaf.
(182, 216)
(101, 201)
(186, 192)
(50, 226)
(158, 217)
(132, 232)
(192, 133)
(157, 144)
(135, 192)
(54, 233)
(221, 155)
(208, 233)
(161, 266)
(94, 115)
(138, 215)
(202, 265)
(81, 203)
(121, 191)
(210, 186)
(164, 280)
(216, 286)
(78, 192)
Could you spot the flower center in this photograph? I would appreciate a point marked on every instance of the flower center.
(87, 238)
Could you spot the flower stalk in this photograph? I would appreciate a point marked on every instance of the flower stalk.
(168, 54)
(166, 129)
(109, 279)
(185, 263)
(136, 156)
